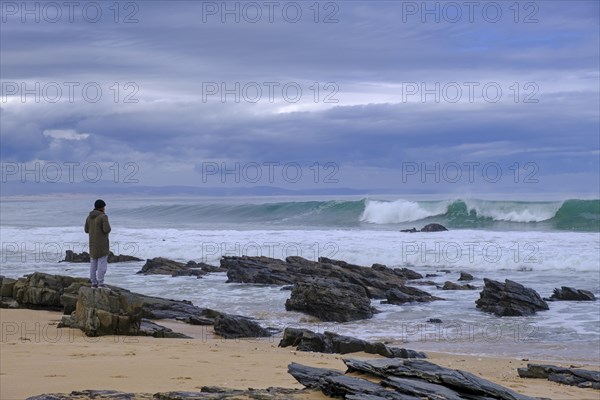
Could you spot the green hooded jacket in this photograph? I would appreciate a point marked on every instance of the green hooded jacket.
(98, 228)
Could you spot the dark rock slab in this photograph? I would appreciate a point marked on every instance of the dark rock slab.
(582, 378)
(164, 266)
(571, 294)
(465, 276)
(509, 299)
(182, 310)
(149, 328)
(343, 386)
(93, 394)
(329, 342)
(331, 301)
(207, 267)
(426, 228)
(409, 274)
(421, 389)
(375, 280)
(310, 377)
(236, 326)
(411, 230)
(455, 286)
(433, 228)
(461, 382)
(206, 393)
(84, 257)
(408, 294)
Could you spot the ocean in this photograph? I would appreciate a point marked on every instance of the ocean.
(540, 244)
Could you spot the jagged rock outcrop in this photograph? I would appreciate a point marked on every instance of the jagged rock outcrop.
(237, 326)
(149, 328)
(329, 342)
(426, 228)
(421, 378)
(465, 276)
(433, 228)
(376, 280)
(43, 291)
(509, 299)
(331, 301)
(455, 286)
(408, 294)
(582, 378)
(101, 312)
(57, 292)
(566, 293)
(164, 266)
(84, 257)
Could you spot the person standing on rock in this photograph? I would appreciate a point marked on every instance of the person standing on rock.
(98, 228)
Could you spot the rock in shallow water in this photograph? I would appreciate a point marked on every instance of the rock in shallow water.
(455, 286)
(84, 257)
(376, 280)
(509, 299)
(408, 294)
(465, 276)
(571, 294)
(433, 228)
(164, 266)
(330, 301)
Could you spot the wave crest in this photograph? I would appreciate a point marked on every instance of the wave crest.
(398, 211)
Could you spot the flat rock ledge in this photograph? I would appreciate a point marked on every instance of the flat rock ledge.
(329, 342)
(206, 393)
(402, 379)
(582, 378)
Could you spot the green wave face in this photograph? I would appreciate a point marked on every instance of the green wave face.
(575, 215)
(578, 215)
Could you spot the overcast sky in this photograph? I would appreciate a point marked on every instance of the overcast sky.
(373, 91)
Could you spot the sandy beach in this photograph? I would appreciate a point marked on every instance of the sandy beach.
(38, 358)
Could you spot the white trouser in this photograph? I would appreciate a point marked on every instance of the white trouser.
(99, 266)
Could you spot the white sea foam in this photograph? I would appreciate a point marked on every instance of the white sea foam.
(514, 211)
(393, 212)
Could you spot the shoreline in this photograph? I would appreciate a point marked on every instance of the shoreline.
(50, 360)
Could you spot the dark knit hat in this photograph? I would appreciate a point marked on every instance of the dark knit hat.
(99, 204)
